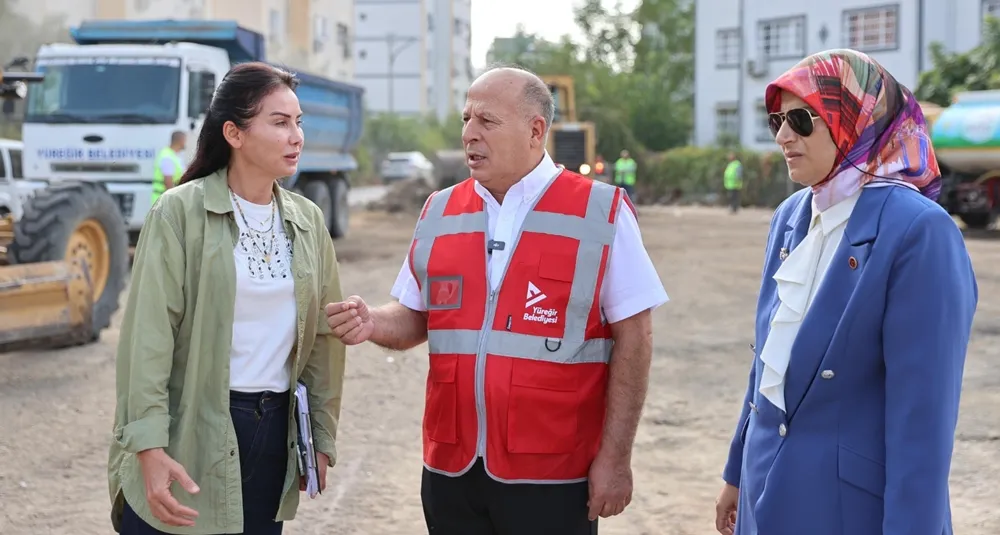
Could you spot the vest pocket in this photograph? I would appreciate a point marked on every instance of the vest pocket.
(543, 411)
(441, 414)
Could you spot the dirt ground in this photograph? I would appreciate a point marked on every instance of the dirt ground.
(56, 407)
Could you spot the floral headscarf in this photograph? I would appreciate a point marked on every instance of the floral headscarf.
(875, 121)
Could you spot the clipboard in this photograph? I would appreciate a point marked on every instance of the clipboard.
(308, 462)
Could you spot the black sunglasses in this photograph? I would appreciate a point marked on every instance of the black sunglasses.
(800, 119)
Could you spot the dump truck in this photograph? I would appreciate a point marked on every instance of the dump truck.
(572, 143)
(111, 100)
(63, 254)
(966, 140)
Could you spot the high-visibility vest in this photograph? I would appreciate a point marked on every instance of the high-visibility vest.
(732, 179)
(159, 186)
(517, 375)
(625, 171)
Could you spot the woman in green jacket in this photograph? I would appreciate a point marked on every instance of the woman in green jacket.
(223, 319)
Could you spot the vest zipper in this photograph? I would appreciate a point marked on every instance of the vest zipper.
(481, 377)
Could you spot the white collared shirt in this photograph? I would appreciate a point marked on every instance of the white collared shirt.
(798, 279)
(631, 284)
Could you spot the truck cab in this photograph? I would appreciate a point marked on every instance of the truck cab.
(104, 111)
(110, 102)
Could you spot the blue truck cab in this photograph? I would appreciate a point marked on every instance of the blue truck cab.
(111, 100)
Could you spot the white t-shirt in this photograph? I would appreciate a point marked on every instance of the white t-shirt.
(265, 320)
(168, 169)
(631, 284)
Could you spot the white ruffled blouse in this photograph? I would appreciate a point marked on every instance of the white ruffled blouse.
(798, 278)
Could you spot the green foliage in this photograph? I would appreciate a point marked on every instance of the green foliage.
(633, 74)
(385, 133)
(697, 173)
(977, 69)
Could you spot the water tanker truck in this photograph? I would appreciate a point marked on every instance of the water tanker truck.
(966, 139)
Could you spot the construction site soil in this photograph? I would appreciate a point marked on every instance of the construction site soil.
(56, 407)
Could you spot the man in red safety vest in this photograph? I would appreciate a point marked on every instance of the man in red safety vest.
(533, 290)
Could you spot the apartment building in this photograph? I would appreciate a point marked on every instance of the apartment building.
(310, 35)
(414, 56)
(730, 79)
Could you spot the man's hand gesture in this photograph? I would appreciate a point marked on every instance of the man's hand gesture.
(350, 320)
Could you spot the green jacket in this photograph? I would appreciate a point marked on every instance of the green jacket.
(172, 377)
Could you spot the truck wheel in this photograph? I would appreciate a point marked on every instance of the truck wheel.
(317, 191)
(341, 207)
(976, 221)
(82, 221)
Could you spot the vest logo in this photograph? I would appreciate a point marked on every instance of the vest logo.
(534, 295)
(538, 314)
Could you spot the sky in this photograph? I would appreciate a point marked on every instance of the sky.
(551, 19)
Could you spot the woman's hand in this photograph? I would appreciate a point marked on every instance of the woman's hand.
(159, 471)
(324, 462)
(725, 509)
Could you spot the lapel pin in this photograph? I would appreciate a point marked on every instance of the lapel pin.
(853, 262)
(783, 254)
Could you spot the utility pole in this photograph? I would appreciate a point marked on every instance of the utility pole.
(393, 52)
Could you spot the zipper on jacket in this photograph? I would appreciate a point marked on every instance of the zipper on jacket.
(481, 376)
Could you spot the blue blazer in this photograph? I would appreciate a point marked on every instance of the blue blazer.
(873, 385)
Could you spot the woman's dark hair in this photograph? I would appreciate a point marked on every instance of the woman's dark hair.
(237, 99)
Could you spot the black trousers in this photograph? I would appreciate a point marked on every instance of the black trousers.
(476, 504)
(734, 200)
(261, 423)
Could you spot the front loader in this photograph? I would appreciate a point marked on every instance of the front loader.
(64, 256)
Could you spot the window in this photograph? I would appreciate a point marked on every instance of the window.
(727, 121)
(430, 22)
(201, 87)
(991, 8)
(344, 39)
(3, 175)
(321, 32)
(782, 38)
(276, 27)
(762, 132)
(872, 29)
(727, 47)
(458, 27)
(15, 164)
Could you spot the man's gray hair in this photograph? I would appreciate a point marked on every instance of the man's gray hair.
(536, 95)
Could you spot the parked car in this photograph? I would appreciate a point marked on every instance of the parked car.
(407, 166)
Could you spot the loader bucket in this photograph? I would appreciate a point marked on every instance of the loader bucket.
(45, 305)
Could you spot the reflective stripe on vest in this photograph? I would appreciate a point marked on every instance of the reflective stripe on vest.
(516, 389)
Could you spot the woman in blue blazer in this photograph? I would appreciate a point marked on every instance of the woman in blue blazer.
(863, 320)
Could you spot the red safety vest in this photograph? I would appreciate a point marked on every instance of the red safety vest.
(517, 375)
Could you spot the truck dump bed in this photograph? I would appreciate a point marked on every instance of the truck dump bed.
(333, 110)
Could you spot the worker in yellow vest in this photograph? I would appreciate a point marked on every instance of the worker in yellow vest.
(733, 182)
(625, 169)
(168, 168)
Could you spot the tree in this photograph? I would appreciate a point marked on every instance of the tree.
(975, 70)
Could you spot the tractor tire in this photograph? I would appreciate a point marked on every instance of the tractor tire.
(78, 220)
